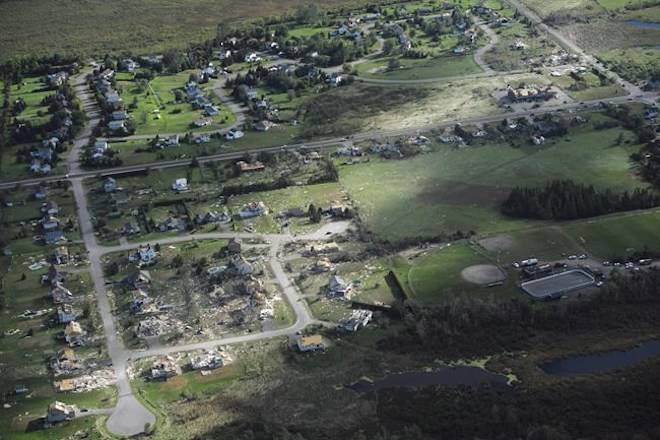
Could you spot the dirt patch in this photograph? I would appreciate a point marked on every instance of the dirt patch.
(498, 243)
(458, 193)
(600, 35)
(482, 274)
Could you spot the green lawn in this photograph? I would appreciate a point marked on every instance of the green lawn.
(155, 110)
(594, 89)
(281, 200)
(189, 383)
(460, 189)
(439, 67)
(32, 90)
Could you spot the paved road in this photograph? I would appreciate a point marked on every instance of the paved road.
(93, 113)
(527, 110)
(130, 416)
(493, 38)
(570, 46)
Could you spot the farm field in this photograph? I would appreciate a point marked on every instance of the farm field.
(460, 189)
(102, 27)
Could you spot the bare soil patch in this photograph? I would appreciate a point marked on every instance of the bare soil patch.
(497, 243)
(483, 274)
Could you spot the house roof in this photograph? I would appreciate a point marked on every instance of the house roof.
(311, 340)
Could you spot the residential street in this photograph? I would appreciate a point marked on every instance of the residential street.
(93, 113)
(130, 416)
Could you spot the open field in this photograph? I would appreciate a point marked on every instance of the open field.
(634, 64)
(549, 243)
(362, 106)
(460, 189)
(618, 235)
(588, 88)
(437, 276)
(603, 34)
(144, 27)
(436, 67)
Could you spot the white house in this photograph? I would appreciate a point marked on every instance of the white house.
(234, 134)
(180, 185)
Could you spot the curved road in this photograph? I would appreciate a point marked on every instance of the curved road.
(129, 416)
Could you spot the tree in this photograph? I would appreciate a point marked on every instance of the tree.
(177, 261)
(393, 63)
(388, 46)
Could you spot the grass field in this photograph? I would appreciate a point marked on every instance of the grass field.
(189, 383)
(634, 64)
(618, 235)
(437, 67)
(594, 87)
(32, 90)
(94, 26)
(437, 276)
(308, 31)
(281, 200)
(460, 189)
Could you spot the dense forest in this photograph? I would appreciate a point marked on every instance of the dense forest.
(567, 200)
(473, 327)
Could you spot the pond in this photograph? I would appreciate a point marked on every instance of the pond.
(602, 362)
(449, 376)
(639, 24)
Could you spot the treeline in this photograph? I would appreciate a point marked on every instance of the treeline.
(625, 406)
(649, 162)
(567, 200)
(5, 114)
(14, 69)
(467, 327)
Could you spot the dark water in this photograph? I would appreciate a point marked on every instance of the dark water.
(450, 376)
(643, 24)
(602, 362)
